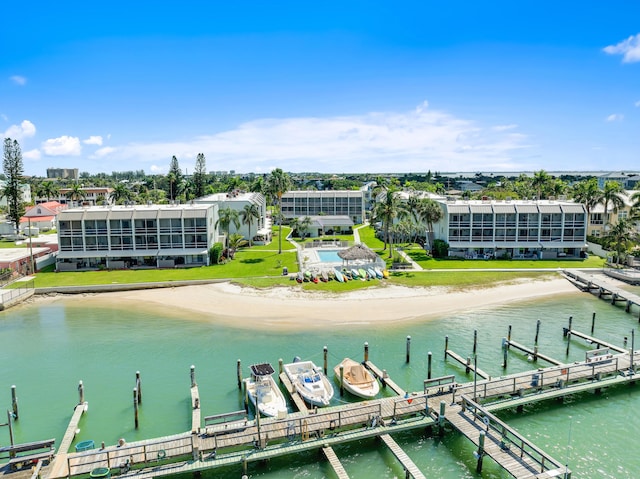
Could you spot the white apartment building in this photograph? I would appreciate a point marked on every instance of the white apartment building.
(350, 203)
(259, 228)
(515, 228)
(136, 236)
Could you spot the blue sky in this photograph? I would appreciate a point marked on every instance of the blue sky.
(332, 86)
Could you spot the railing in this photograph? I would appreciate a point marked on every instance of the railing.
(509, 437)
(124, 457)
(556, 377)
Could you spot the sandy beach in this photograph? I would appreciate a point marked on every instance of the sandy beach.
(291, 308)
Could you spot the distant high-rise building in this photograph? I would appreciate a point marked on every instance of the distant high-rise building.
(63, 173)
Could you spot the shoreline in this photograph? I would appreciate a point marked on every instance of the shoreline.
(289, 308)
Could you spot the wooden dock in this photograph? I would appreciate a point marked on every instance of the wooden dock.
(533, 352)
(603, 288)
(58, 467)
(337, 466)
(595, 341)
(514, 453)
(195, 410)
(470, 367)
(384, 378)
(295, 397)
(409, 466)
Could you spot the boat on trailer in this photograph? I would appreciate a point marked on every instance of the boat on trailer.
(309, 381)
(264, 393)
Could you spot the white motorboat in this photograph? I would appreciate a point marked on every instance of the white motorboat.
(264, 392)
(309, 381)
(357, 379)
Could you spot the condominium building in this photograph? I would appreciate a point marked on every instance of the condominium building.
(517, 229)
(63, 173)
(136, 236)
(258, 228)
(349, 203)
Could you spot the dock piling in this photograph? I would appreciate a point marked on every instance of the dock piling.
(139, 386)
(568, 340)
(193, 376)
(135, 407)
(238, 373)
(408, 349)
(468, 365)
(480, 453)
(508, 337)
(537, 332)
(14, 402)
(505, 352)
(475, 341)
(429, 355)
(446, 346)
(366, 352)
(593, 322)
(341, 380)
(10, 425)
(246, 396)
(443, 406)
(324, 352)
(81, 392)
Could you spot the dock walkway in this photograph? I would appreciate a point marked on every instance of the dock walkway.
(601, 287)
(337, 466)
(407, 463)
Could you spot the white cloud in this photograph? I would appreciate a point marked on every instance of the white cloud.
(4, 117)
(32, 155)
(93, 140)
(18, 80)
(64, 145)
(158, 169)
(615, 117)
(102, 152)
(637, 103)
(26, 129)
(629, 49)
(505, 127)
(416, 140)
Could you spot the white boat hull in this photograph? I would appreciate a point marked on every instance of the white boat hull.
(266, 396)
(309, 382)
(357, 379)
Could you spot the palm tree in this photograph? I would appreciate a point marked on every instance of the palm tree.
(278, 184)
(587, 193)
(612, 193)
(236, 241)
(250, 213)
(120, 193)
(48, 189)
(635, 206)
(430, 212)
(76, 193)
(294, 224)
(227, 216)
(621, 236)
(304, 225)
(386, 212)
(540, 181)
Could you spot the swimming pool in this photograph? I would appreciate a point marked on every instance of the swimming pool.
(329, 256)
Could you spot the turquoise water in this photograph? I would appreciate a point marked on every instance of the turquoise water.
(48, 348)
(329, 256)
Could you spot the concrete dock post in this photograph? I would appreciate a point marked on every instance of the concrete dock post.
(14, 402)
(408, 349)
(446, 346)
(341, 380)
(135, 407)
(568, 341)
(10, 425)
(509, 336)
(325, 352)
(480, 453)
(245, 395)
(366, 352)
(81, 392)
(239, 373)
(537, 332)
(593, 322)
(429, 358)
(139, 386)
